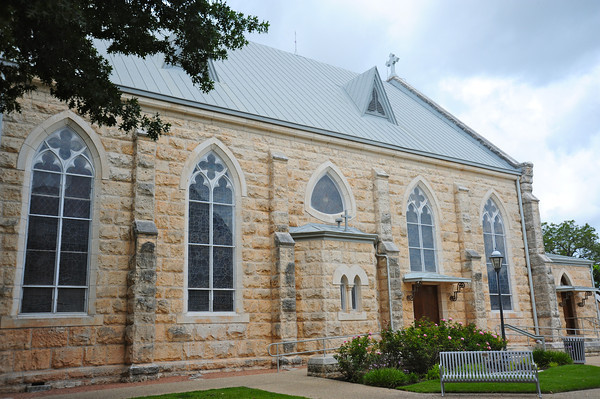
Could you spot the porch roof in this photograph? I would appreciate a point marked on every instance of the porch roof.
(429, 277)
(575, 288)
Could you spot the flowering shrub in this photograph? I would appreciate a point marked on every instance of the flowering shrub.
(413, 350)
(417, 347)
(356, 356)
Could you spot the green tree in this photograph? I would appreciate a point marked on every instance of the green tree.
(53, 41)
(570, 239)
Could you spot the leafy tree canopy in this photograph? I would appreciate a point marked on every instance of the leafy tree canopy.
(53, 41)
(569, 239)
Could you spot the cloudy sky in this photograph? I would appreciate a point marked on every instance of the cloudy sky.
(523, 73)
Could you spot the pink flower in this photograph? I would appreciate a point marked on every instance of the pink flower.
(480, 332)
(460, 322)
(478, 345)
(489, 347)
(443, 319)
(425, 335)
(450, 318)
(449, 337)
(462, 339)
(436, 325)
(494, 335)
(487, 343)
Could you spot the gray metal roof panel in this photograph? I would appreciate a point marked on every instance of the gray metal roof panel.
(275, 85)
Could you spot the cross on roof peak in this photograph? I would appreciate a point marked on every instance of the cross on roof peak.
(391, 63)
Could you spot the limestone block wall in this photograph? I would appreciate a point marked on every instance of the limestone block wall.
(88, 348)
(318, 296)
(92, 347)
(587, 315)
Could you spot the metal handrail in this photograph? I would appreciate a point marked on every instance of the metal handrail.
(323, 348)
(528, 334)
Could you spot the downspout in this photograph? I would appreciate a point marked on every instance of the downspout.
(595, 298)
(527, 260)
(389, 286)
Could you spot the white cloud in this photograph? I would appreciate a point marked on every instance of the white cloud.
(537, 124)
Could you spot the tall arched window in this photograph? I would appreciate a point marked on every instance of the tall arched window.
(494, 238)
(420, 226)
(211, 237)
(55, 278)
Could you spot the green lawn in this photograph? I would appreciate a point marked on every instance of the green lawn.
(225, 393)
(572, 377)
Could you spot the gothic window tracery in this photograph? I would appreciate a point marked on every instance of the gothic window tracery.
(211, 237)
(495, 239)
(326, 196)
(421, 230)
(55, 278)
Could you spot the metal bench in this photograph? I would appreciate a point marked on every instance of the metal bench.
(490, 366)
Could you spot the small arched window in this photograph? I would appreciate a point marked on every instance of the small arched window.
(211, 237)
(55, 278)
(495, 239)
(356, 294)
(343, 296)
(421, 230)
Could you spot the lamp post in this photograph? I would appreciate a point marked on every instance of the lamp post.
(496, 259)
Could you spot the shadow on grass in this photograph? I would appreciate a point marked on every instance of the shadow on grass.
(572, 377)
(224, 393)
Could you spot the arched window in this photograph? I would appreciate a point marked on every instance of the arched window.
(495, 239)
(420, 226)
(326, 197)
(328, 194)
(56, 273)
(211, 237)
(343, 290)
(356, 294)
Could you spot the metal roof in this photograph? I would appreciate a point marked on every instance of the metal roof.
(263, 83)
(312, 231)
(429, 277)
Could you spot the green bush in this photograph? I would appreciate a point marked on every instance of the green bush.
(545, 359)
(433, 373)
(385, 378)
(416, 348)
(356, 356)
(413, 350)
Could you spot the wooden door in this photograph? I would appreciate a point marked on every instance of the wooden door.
(569, 312)
(426, 303)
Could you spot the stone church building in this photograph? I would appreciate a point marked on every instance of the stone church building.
(296, 200)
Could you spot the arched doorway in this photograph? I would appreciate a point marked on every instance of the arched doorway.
(568, 305)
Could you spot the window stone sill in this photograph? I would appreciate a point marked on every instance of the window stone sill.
(343, 316)
(50, 320)
(213, 318)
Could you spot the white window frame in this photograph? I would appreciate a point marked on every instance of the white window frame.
(328, 168)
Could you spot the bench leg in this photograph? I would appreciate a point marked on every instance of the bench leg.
(442, 382)
(537, 382)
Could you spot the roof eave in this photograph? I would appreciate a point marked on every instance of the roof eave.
(328, 133)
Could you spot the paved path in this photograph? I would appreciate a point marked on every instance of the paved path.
(292, 382)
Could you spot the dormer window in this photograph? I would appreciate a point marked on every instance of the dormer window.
(375, 106)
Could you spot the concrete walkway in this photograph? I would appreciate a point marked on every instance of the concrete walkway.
(291, 382)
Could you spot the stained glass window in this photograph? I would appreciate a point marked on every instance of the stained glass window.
(55, 278)
(494, 238)
(211, 237)
(326, 196)
(420, 226)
